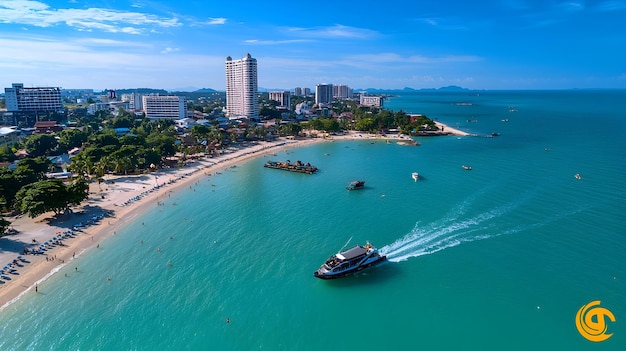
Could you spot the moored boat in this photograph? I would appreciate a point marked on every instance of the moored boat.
(297, 166)
(415, 176)
(350, 261)
(355, 185)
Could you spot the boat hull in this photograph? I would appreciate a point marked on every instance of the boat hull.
(328, 276)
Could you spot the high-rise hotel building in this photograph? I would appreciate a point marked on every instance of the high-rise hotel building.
(242, 87)
(164, 107)
(41, 99)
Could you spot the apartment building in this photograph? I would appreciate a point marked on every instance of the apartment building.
(242, 87)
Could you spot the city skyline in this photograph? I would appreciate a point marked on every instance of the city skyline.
(511, 44)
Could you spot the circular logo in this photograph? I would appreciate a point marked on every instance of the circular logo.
(591, 321)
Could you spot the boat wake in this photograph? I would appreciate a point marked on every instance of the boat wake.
(450, 231)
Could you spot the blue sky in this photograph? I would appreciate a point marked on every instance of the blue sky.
(509, 44)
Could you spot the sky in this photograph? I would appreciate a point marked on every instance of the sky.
(183, 45)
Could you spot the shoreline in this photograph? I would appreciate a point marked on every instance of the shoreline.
(115, 203)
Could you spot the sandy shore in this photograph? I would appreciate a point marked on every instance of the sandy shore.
(453, 131)
(110, 206)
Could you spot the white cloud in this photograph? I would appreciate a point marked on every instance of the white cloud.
(431, 21)
(169, 50)
(38, 14)
(217, 20)
(336, 31)
(95, 63)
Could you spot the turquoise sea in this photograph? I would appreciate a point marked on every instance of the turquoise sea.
(497, 258)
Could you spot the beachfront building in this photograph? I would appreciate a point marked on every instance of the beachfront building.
(371, 100)
(342, 92)
(33, 100)
(242, 87)
(283, 98)
(164, 107)
(324, 94)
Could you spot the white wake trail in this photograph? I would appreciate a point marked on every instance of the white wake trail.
(455, 228)
(446, 233)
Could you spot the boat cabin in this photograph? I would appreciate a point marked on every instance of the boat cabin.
(352, 253)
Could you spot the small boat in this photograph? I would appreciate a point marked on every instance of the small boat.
(349, 261)
(467, 168)
(415, 176)
(577, 176)
(355, 185)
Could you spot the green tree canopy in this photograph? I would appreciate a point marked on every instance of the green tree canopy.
(50, 195)
(38, 165)
(162, 143)
(293, 129)
(130, 139)
(40, 144)
(6, 154)
(4, 225)
(365, 124)
(105, 138)
(71, 138)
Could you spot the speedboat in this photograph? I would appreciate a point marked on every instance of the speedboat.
(467, 168)
(415, 176)
(355, 185)
(350, 261)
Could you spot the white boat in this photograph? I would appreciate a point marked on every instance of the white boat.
(349, 261)
(415, 176)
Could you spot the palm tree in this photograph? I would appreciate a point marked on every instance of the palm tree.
(81, 164)
(121, 164)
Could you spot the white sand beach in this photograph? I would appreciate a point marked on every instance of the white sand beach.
(110, 206)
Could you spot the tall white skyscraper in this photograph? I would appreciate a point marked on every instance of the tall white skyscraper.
(242, 87)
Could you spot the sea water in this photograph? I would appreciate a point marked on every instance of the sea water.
(497, 258)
